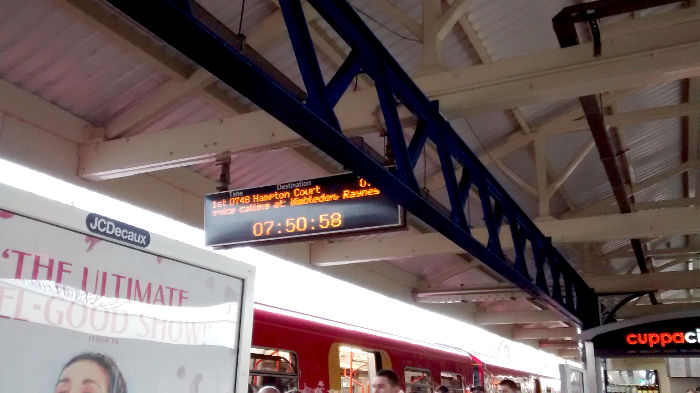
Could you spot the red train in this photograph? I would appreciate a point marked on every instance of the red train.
(315, 356)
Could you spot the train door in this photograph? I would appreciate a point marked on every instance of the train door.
(356, 368)
(478, 375)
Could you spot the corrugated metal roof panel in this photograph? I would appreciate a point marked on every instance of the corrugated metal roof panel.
(669, 189)
(539, 114)
(265, 168)
(471, 278)
(611, 246)
(483, 130)
(191, 109)
(654, 146)
(588, 183)
(561, 149)
(514, 28)
(63, 60)
(662, 94)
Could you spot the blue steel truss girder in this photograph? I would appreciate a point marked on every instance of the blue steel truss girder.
(314, 120)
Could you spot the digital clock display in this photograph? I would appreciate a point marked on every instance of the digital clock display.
(329, 205)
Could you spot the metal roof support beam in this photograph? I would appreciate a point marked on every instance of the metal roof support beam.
(564, 26)
(633, 60)
(459, 295)
(540, 333)
(570, 353)
(178, 27)
(667, 253)
(655, 281)
(406, 21)
(603, 206)
(513, 317)
(631, 311)
(644, 224)
(655, 52)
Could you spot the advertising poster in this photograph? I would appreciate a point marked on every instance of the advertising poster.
(79, 313)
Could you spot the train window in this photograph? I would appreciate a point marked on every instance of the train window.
(477, 375)
(417, 380)
(357, 368)
(273, 367)
(453, 382)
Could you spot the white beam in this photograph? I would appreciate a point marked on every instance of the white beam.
(459, 295)
(604, 204)
(124, 35)
(646, 224)
(542, 333)
(454, 270)
(561, 344)
(450, 17)
(651, 22)
(473, 37)
(630, 311)
(626, 118)
(570, 353)
(673, 263)
(184, 145)
(692, 141)
(541, 167)
(635, 60)
(519, 181)
(166, 95)
(655, 281)
(38, 112)
(481, 51)
(558, 127)
(188, 145)
(431, 44)
(652, 56)
(513, 317)
(665, 203)
(571, 167)
(45, 151)
(406, 21)
(667, 253)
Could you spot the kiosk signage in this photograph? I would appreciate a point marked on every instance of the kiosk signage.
(680, 337)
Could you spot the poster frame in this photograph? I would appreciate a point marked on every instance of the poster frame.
(73, 219)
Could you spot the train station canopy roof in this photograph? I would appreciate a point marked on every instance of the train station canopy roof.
(88, 96)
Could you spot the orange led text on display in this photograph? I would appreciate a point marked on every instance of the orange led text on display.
(330, 205)
(297, 196)
(297, 224)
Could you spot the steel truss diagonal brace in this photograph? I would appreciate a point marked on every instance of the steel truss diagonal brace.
(313, 119)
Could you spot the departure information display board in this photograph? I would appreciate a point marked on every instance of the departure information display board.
(329, 205)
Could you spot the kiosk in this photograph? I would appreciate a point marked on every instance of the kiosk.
(87, 299)
(654, 354)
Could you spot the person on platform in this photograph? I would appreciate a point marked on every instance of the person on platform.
(442, 389)
(386, 381)
(268, 389)
(90, 372)
(508, 386)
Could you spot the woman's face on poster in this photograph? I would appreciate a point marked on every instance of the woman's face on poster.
(84, 376)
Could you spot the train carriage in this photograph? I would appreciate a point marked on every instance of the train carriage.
(317, 356)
